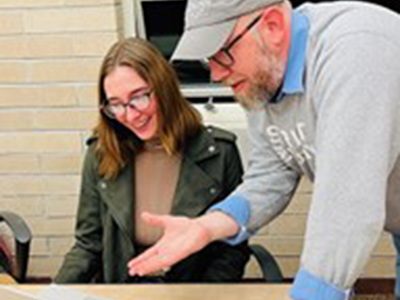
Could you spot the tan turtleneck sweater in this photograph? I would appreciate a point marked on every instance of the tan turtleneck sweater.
(156, 177)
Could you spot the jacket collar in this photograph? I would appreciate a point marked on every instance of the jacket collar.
(120, 191)
(202, 146)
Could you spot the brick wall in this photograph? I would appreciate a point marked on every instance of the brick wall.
(50, 52)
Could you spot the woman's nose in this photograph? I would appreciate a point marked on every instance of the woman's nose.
(131, 113)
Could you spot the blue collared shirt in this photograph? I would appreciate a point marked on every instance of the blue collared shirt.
(293, 80)
(306, 286)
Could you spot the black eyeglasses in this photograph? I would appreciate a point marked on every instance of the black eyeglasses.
(138, 102)
(223, 57)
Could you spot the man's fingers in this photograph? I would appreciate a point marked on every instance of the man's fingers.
(147, 255)
(156, 263)
(180, 239)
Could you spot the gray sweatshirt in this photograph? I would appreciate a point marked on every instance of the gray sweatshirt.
(343, 133)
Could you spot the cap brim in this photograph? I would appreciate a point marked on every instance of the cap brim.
(202, 42)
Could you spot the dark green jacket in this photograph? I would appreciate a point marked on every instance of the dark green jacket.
(210, 170)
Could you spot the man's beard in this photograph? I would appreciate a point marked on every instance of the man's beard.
(267, 80)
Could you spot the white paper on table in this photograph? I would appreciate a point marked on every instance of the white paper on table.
(56, 292)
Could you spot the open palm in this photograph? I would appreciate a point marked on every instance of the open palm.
(182, 237)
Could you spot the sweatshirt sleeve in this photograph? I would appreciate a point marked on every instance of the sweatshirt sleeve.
(268, 184)
(357, 144)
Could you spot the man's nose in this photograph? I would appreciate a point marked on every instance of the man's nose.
(219, 73)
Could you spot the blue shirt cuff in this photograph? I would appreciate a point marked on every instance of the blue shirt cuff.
(238, 208)
(309, 287)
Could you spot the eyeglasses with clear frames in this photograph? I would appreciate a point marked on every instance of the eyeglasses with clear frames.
(223, 57)
(138, 102)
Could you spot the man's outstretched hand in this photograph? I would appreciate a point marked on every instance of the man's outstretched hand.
(182, 237)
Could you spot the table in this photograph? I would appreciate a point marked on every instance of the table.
(178, 291)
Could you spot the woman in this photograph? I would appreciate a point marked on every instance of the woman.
(149, 152)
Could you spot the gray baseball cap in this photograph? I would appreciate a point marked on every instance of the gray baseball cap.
(208, 24)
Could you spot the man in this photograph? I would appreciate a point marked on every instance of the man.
(321, 86)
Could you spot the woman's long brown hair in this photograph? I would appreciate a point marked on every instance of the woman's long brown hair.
(177, 119)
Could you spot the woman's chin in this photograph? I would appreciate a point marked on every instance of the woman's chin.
(147, 132)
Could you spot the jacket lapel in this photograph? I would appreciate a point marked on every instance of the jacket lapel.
(119, 197)
(196, 189)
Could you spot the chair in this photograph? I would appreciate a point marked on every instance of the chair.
(22, 236)
(270, 269)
